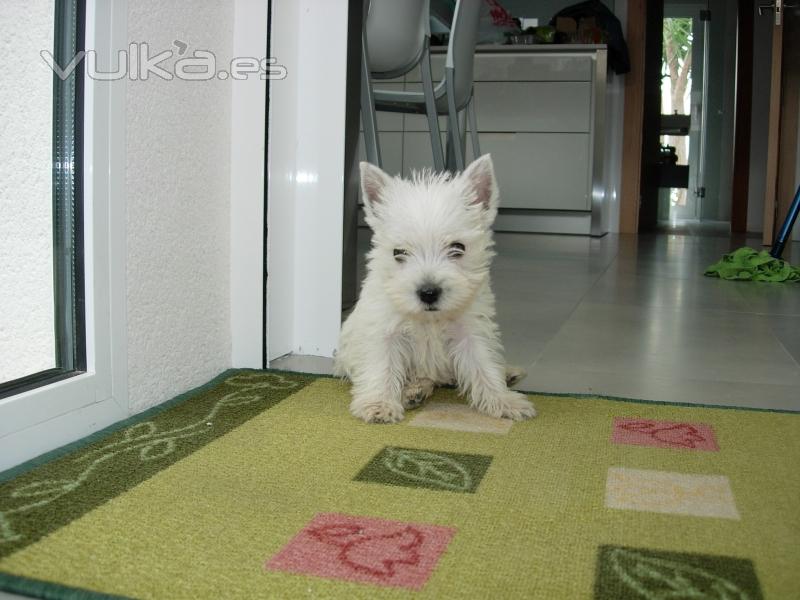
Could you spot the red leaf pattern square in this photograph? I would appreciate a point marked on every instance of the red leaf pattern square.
(664, 434)
(365, 549)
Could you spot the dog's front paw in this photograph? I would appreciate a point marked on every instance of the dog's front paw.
(377, 411)
(511, 405)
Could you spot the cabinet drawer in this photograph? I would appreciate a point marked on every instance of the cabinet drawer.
(542, 171)
(524, 107)
(531, 67)
(521, 66)
(552, 107)
(558, 106)
(545, 171)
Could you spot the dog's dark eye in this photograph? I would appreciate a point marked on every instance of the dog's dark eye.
(455, 250)
(400, 254)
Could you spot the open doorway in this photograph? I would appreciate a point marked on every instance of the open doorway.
(681, 105)
(698, 90)
(689, 115)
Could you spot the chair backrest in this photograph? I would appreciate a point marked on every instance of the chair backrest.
(461, 48)
(395, 35)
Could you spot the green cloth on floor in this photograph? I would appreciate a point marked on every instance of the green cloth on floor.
(751, 265)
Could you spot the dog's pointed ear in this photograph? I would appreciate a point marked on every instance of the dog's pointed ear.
(481, 184)
(373, 187)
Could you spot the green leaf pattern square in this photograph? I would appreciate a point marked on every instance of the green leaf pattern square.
(431, 469)
(638, 574)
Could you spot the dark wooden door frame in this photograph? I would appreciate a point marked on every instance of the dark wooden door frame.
(651, 124)
(630, 185)
(788, 117)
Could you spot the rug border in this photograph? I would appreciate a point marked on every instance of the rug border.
(37, 461)
(45, 590)
(783, 411)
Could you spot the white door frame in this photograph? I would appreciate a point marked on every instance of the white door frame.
(306, 177)
(248, 126)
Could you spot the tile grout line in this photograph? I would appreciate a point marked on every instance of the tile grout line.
(769, 316)
(577, 305)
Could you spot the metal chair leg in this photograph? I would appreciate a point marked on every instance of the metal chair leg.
(369, 120)
(462, 128)
(473, 127)
(430, 108)
(453, 127)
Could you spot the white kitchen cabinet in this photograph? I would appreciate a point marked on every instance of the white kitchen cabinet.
(540, 112)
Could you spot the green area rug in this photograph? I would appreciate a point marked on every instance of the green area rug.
(261, 485)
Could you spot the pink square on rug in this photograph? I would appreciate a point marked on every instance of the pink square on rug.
(364, 549)
(664, 434)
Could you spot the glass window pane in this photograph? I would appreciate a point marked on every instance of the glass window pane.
(27, 317)
(41, 205)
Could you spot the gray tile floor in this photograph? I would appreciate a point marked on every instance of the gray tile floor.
(633, 316)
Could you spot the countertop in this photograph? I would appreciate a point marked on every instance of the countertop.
(528, 48)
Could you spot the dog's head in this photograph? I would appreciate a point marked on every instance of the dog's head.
(432, 242)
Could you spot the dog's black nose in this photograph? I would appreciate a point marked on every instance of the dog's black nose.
(429, 294)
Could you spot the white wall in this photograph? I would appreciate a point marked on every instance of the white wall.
(248, 172)
(178, 212)
(27, 341)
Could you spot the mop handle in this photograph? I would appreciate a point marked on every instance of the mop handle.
(786, 228)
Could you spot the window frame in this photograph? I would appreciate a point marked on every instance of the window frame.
(68, 205)
(38, 420)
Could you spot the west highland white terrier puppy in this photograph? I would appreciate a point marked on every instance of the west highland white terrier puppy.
(426, 312)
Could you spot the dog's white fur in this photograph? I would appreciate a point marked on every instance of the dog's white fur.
(394, 347)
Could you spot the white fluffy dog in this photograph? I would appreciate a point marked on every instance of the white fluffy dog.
(426, 311)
